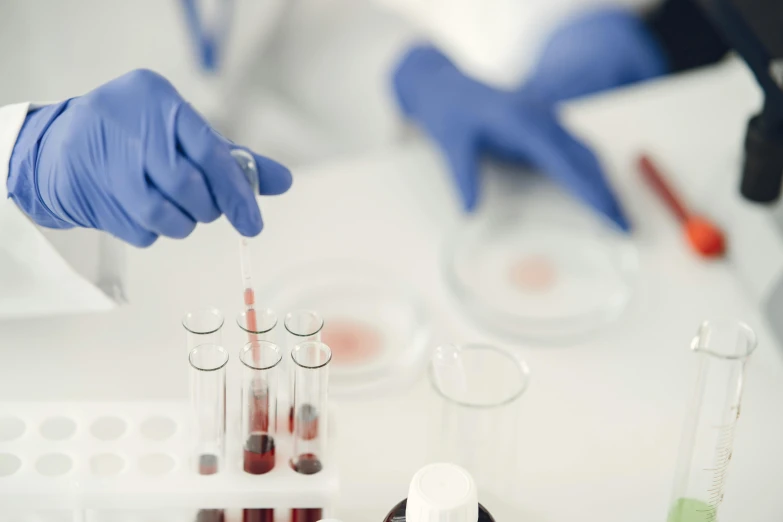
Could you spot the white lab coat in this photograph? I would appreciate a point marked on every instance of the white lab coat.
(285, 58)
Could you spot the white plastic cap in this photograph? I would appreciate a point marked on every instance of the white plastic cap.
(442, 493)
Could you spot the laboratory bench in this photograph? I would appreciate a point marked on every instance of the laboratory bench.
(601, 420)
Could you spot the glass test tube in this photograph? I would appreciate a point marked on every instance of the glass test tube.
(480, 387)
(300, 326)
(310, 402)
(203, 327)
(723, 348)
(260, 360)
(208, 402)
(258, 324)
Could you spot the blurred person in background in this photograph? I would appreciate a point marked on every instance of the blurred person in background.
(134, 159)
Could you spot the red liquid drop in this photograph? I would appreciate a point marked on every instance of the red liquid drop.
(250, 297)
(352, 342)
(307, 464)
(534, 273)
(259, 459)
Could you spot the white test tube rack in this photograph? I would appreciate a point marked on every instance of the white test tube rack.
(136, 457)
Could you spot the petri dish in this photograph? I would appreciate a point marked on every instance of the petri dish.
(378, 330)
(542, 276)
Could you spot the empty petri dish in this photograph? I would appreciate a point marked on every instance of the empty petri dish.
(541, 276)
(378, 331)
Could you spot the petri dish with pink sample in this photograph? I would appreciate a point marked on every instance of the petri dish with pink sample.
(378, 329)
(541, 275)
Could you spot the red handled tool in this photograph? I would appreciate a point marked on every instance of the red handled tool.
(705, 237)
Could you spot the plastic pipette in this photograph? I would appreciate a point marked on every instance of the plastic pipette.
(248, 165)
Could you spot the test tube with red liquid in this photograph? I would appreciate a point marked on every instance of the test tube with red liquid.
(260, 373)
(300, 326)
(208, 408)
(310, 401)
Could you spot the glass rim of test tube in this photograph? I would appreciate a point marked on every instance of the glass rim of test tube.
(509, 398)
(301, 346)
(215, 325)
(317, 320)
(247, 352)
(700, 343)
(268, 325)
(209, 368)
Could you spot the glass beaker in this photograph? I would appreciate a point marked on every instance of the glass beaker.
(723, 348)
(480, 386)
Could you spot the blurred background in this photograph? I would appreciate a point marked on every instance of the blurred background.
(573, 186)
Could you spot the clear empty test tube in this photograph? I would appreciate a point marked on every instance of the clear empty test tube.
(300, 326)
(260, 372)
(723, 348)
(208, 402)
(203, 327)
(311, 383)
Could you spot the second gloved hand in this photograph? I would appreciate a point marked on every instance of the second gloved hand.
(469, 120)
(132, 158)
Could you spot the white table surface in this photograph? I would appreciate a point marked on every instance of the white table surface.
(601, 419)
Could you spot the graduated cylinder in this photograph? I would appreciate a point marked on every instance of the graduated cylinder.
(723, 348)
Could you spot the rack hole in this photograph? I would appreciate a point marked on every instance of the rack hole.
(158, 428)
(108, 428)
(54, 465)
(9, 464)
(156, 464)
(58, 428)
(106, 464)
(11, 428)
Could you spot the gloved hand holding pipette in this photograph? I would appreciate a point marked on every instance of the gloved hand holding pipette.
(134, 159)
(468, 119)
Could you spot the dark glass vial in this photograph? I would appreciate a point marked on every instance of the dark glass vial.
(397, 514)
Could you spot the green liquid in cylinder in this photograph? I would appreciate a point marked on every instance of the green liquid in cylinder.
(691, 510)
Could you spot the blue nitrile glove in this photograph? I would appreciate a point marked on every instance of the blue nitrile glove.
(134, 159)
(468, 119)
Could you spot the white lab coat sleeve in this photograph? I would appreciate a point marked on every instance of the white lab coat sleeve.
(11, 121)
(35, 279)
